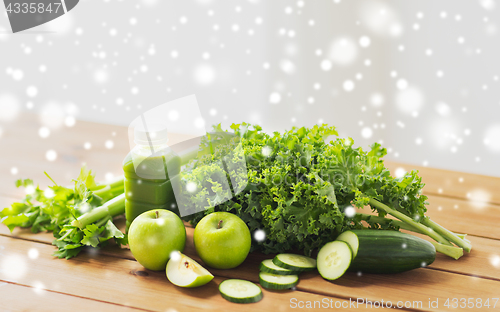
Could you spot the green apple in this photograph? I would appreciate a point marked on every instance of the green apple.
(154, 235)
(222, 240)
(185, 272)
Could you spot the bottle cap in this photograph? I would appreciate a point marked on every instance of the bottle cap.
(150, 134)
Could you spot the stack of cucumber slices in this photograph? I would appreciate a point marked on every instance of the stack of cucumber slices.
(282, 271)
(278, 273)
(366, 251)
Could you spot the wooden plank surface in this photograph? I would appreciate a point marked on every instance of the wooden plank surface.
(39, 299)
(124, 282)
(29, 159)
(29, 156)
(462, 216)
(109, 280)
(474, 187)
(477, 263)
(78, 276)
(474, 269)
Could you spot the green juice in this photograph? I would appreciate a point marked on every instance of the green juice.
(147, 182)
(152, 166)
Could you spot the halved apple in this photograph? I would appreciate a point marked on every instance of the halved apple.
(185, 272)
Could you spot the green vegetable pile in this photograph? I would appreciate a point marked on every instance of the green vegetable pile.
(299, 188)
(296, 187)
(78, 217)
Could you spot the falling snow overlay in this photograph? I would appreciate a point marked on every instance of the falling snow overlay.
(420, 78)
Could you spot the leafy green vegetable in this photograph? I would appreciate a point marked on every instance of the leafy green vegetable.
(299, 187)
(91, 205)
(40, 210)
(293, 185)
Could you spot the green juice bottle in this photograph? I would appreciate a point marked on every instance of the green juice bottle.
(147, 169)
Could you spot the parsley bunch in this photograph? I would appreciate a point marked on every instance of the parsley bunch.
(77, 217)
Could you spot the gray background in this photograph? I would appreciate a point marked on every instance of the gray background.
(426, 86)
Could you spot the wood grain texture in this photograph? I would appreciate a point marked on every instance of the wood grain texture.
(24, 149)
(454, 184)
(11, 300)
(465, 217)
(471, 271)
(7, 201)
(102, 277)
(111, 274)
(480, 262)
(125, 282)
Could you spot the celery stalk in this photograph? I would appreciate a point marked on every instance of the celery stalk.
(114, 207)
(419, 226)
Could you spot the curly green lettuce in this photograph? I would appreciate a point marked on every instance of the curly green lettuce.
(298, 186)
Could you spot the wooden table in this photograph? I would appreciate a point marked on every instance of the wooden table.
(31, 279)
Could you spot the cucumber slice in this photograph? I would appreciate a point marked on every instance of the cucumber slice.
(240, 291)
(269, 267)
(352, 239)
(273, 281)
(333, 259)
(293, 262)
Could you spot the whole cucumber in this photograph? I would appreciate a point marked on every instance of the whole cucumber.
(385, 251)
